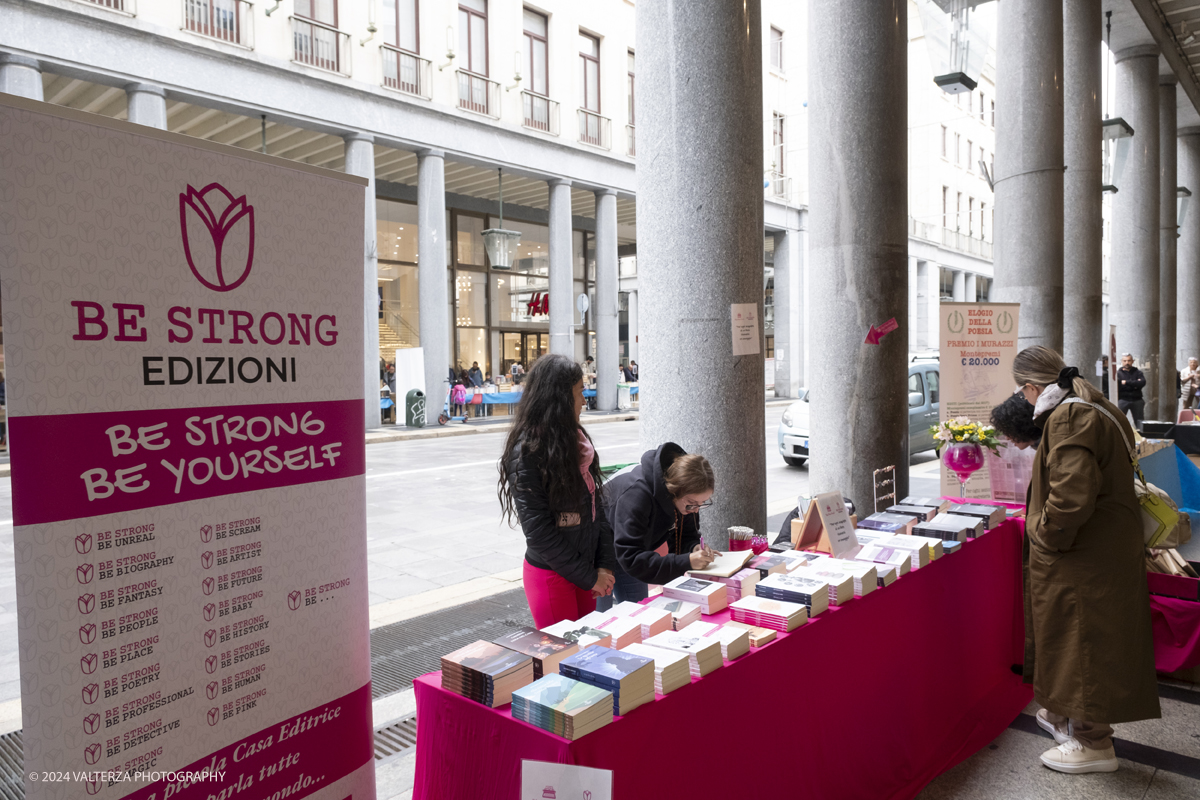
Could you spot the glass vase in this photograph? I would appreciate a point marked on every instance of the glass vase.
(964, 459)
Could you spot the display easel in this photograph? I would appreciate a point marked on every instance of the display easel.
(810, 532)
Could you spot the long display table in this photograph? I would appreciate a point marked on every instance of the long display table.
(873, 699)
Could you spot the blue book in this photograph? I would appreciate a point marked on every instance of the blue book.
(604, 666)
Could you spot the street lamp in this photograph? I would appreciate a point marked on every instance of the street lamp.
(500, 244)
(956, 41)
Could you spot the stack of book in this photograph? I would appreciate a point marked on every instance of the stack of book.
(808, 592)
(774, 614)
(865, 575)
(735, 642)
(935, 545)
(704, 655)
(939, 503)
(545, 649)
(739, 584)
(919, 513)
(565, 707)
(841, 582)
(769, 564)
(880, 553)
(622, 629)
(628, 676)
(653, 620)
(951, 547)
(801, 558)
(486, 673)
(990, 514)
(672, 668)
(709, 595)
(579, 633)
(950, 528)
(683, 613)
(758, 636)
(888, 523)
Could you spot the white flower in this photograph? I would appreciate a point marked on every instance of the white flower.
(945, 435)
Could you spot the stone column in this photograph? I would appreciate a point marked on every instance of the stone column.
(148, 106)
(562, 295)
(1028, 229)
(1168, 397)
(360, 160)
(632, 325)
(21, 76)
(432, 281)
(970, 292)
(1083, 332)
(700, 243)
(608, 335)
(1188, 246)
(1133, 263)
(960, 286)
(789, 305)
(859, 243)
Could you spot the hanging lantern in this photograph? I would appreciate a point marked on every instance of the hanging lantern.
(957, 41)
(500, 244)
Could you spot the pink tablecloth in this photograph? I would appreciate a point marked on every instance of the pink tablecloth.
(1176, 633)
(874, 699)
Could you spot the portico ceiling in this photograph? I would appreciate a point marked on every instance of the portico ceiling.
(1162, 23)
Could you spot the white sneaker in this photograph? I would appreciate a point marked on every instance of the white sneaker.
(1060, 735)
(1073, 758)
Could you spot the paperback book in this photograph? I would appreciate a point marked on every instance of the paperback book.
(486, 673)
(879, 553)
(842, 587)
(811, 593)
(865, 575)
(622, 629)
(579, 633)
(919, 513)
(672, 668)
(769, 564)
(709, 595)
(683, 613)
(545, 649)
(704, 655)
(777, 615)
(991, 515)
(758, 636)
(735, 642)
(726, 564)
(738, 585)
(653, 620)
(940, 503)
(628, 676)
(950, 528)
(888, 523)
(563, 706)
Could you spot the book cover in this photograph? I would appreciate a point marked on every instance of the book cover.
(533, 642)
(578, 633)
(563, 695)
(678, 608)
(485, 657)
(605, 665)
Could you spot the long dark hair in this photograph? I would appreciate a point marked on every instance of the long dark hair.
(545, 425)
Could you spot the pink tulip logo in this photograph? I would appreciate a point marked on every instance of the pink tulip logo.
(218, 236)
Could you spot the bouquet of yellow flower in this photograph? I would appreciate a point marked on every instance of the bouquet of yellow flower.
(961, 429)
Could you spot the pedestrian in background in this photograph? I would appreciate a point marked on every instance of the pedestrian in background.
(475, 380)
(633, 367)
(1089, 649)
(550, 480)
(1189, 380)
(1130, 381)
(627, 374)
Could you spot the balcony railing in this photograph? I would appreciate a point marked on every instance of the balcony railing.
(595, 129)
(124, 6)
(779, 187)
(405, 72)
(225, 20)
(320, 46)
(478, 95)
(541, 113)
(964, 243)
(630, 142)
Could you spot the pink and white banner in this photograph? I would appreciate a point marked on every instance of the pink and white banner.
(183, 346)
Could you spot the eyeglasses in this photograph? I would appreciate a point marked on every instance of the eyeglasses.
(691, 509)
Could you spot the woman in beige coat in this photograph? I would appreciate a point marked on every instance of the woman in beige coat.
(1089, 651)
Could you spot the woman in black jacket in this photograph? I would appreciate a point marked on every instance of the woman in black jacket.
(655, 513)
(550, 478)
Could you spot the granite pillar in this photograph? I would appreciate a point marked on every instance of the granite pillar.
(148, 106)
(1133, 263)
(562, 298)
(21, 76)
(1188, 247)
(1168, 395)
(700, 243)
(1083, 223)
(1028, 229)
(432, 281)
(970, 289)
(608, 343)
(360, 161)
(960, 286)
(789, 305)
(858, 244)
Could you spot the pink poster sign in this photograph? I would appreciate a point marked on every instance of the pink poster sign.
(183, 355)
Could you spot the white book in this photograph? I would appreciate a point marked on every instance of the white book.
(624, 630)
(672, 668)
(727, 563)
(683, 613)
(936, 549)
(866, 577)
(579, 633)
(801, 558)
(756, 610)
(710, 595)
(901, 560)
(653, 620)
(916, 546)
(791, 588)
(886, 574)
(842, 585)
(734, 642)
(705, 654)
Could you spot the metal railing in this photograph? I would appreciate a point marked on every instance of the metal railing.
(541, 113)
(124, 6)
(779, 187)
(630, 142)
(924, 230)
(595, 129)
(229, 21)
(320, 46)
(394, 318)
(406, 72)
(478, 95)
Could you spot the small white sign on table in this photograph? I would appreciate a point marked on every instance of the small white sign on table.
(836, 519)
(543, 780)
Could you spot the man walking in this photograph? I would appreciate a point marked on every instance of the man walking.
(1130, 381)
(475, 376)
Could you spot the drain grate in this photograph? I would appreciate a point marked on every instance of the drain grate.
(395, 739)
(12, 767)
(405, 650)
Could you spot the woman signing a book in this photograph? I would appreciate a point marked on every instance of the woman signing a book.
(550, 478)
(655, 513)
